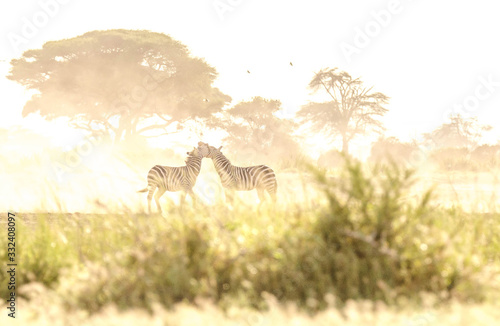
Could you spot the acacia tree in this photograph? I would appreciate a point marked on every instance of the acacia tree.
(351, 111)
(122, 82)
(459, 132)
(256, 134)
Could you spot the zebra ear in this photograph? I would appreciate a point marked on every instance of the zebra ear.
(219, 148)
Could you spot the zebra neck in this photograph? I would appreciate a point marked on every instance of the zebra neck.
(222, 163)
(193, 164)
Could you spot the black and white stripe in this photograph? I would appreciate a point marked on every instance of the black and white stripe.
(167, 178)
(259, 177)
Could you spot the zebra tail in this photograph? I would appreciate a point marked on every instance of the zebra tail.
(143, 190)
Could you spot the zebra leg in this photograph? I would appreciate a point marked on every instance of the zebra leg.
(159, 193)
(193, 197)
(150, 196)
(229, 194)
(183, 198)
(272, 191)
(261, 194)
(262, 198)
(273, 196)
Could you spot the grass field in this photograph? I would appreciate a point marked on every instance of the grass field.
(364, 245)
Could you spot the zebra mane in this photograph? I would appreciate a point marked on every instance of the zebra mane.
(192, 158)
(219, 156)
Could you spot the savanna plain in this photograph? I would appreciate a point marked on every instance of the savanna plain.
(361, 243)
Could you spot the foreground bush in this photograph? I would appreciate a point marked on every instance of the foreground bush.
(47, 309)
(363, 238)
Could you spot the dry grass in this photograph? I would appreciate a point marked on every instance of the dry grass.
(47, 309)
(82, 269)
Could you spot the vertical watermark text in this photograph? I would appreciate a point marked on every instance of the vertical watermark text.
(11, 264)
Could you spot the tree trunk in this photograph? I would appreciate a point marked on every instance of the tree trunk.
(124, 129)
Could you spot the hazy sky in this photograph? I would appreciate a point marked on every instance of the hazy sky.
(431, 57)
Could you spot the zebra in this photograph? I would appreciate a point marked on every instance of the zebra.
(167, 178)
(259, 177)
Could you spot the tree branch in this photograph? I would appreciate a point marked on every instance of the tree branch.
(151, 127)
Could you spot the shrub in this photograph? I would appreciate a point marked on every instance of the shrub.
(364, 238)
(392, 150)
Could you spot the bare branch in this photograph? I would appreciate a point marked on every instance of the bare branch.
(151, 127)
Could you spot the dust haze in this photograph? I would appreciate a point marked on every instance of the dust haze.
(129, 100)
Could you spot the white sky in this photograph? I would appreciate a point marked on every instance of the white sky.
(429, 56)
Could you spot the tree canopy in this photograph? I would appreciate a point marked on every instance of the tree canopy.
(351, 111)
(123, 82)
(458, 132)
(255, 132)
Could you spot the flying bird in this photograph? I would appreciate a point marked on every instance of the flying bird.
(248, 71)
(291, 64)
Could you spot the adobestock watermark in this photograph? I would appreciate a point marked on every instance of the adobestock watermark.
(134, 99)
(73, 157)
(211, 189)
(255, 319)
(222, 7)
(31, 26)
(484, 90)
(466, 109)
(364, 35)
(79, 155)
(422, 319)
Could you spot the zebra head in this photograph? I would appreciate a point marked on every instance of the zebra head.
(195, 153)
(203, 148)
(207, 150)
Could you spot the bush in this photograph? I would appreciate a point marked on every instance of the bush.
(364, 239)
(482, 158)
(392, 150)
(379, 245)
(41, 252)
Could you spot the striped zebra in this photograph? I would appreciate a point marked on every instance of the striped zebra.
(259, 177)
(167, 178)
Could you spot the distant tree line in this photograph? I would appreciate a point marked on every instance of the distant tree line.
(129, 84)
